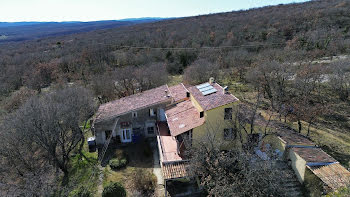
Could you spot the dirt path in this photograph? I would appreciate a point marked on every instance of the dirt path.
(100, 181)
(157, 170)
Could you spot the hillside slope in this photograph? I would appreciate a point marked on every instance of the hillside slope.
(20, 31)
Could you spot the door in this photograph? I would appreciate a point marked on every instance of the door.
(162, 115)
(126, 135)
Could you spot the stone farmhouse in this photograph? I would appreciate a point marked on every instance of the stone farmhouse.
(173, 114)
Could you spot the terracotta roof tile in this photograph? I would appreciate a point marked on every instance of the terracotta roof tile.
(314, 155)
(183, 117)
(213, 100)
(178, 92)
(175, 170)
(334, 176)
(132, 103)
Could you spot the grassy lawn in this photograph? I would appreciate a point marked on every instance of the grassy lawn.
(175, 80)
(83, 171)
(139, 156)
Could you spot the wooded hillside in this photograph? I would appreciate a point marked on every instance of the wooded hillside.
(314, 29)
(290, 63)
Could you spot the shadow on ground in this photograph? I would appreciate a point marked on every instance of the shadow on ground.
(139, 154)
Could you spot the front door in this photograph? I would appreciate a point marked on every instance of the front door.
(126, 135)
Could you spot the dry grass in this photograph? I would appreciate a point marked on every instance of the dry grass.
(333, 141)
(175, 79)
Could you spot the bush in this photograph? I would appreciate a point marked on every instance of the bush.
(81, 192)
(144, 181)
(119, 153)
(114, 190)
(117, 163)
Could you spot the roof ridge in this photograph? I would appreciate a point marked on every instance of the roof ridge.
(134, 95)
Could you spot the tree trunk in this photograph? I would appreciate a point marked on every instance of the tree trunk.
(299, 124)
(308, 129)
(65, 179)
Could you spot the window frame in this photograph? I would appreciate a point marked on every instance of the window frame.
(148, 133)
(153, 114)
(228, 116)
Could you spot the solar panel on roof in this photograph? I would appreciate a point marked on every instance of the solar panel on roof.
(213, 90)
(203, 85)
(206, 88)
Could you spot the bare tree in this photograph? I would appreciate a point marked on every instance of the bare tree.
(200, 71)
(50, 125)
(340, 79)
(234, 172)
(304, 98)
(274, 79)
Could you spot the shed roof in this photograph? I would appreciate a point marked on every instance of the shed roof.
(293, 138)
(214, 100)
(334, 176)
(183, 117)
(314, 155)
(132, 103)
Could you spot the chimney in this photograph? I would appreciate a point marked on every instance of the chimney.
(211, 80)
(225, 90)
(166, 93)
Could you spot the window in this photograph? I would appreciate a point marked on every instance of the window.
(150, 130)
(134, 114)
(201, 114)
(229, 134)
(228, 114)
(152, 112)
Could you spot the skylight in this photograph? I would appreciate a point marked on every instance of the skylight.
(206, 89)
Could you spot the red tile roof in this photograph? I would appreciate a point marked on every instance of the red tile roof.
(132, 103)
(334, 176)
(183, 117)
(314, 155)
(213, 100)
(178, 92)
(175, 170)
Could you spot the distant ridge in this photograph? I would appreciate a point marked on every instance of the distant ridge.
(21, 31)
(22, 23)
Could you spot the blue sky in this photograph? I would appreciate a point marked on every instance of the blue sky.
(93, 10)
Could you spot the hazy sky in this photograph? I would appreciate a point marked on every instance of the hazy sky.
(92, 10)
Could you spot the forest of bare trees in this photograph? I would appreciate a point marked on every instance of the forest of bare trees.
(275, 52)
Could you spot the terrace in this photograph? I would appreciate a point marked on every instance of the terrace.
(172, 163)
